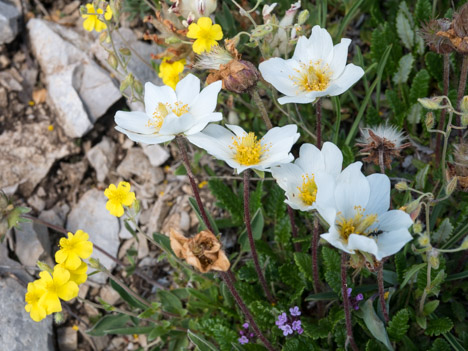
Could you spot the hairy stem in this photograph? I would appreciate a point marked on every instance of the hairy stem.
(315, 268)
(185, 160)
(444, 150)
(444, 111)
(461, 91)
(380, 283)
(228, 279)
(318, 109)
(261, 106)
(344, 292)
(381, 161)
(253, 249)
(297, 246)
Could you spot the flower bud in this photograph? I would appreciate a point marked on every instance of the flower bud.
(303, 17)
(417, 227)
(172, 40)
(432, 103)
(112, 60)
(464, 104)
(262, 30)
(429, 121)
(44, 267)
(401, 186)
(464, 244)
(102, 36)
(451, 186)
(464, 120)
(434, 259)
(233, 117)
(138, 87)
(128, 81)
(94, 263)
(125, 51)
(243, 76)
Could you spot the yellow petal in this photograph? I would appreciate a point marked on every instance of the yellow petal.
(115, 208)
(193, 31)
(61, 275)
(129, 199)
(199, 46)
(99, 26)
(60, 256)
(90, 8)
(84, 249)
(81, 235)
(124, 186)
(88, 24)
(216, 32)
(205, 23)
(68, 291)
(72, 262)
(108, 14)
(50, 302)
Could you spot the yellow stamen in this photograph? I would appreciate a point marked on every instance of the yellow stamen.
(157, 119)
(359, 224)
(308, 190)
(312, 77)
(248, 149)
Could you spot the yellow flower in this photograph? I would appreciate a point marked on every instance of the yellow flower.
(58, 286)
(35, 291)
(92, 20)
(206, 34)
(78, 275)
(170, 72)
(119, 197)
(72, 249)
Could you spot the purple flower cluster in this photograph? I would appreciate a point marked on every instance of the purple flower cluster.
(245, 334)
(290, 324)
(354, 301)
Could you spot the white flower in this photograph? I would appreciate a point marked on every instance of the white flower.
(360, 219)
(311, 177)
(194, 8)
(242, 150)
(170, 112)
(316, 69)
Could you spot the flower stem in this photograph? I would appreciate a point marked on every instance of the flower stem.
(185, 160)
(381, 160)
(380, 283)
(318, 109)
(297, 246)
(315, 269)
(444, 111)
(444, 150)
(228, 279)
(344, 293)
(251, 239)
(461, 91)
(261, 106)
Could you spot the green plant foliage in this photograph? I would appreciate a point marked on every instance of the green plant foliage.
(439, 326)
(398, 326)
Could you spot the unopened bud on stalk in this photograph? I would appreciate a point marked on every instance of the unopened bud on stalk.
(417, 227)
(128, 81)
(429, 121)
(261, 31)
(58, 318)
(172, 40)
(125, 51)
(412, 206)
(401, 186)
(464, 244)
(102, 36)
(434, 259)
(464, 104)
(112, 61)
(451, 186)
(464, 120)
(432, 103)
(138, 87)
(94, 263)
(303, 17)
(44, 267)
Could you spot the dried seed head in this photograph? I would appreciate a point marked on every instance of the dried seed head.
(430, 31)
(384, 142)
(460, 21)
(459, 169)
(237, 76)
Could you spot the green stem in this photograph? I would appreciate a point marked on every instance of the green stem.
(444, 150)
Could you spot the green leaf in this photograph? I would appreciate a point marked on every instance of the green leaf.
(458, 310)
(421, 177)
(107, 323)
(158, 331)
(318, 330)
(420, 86)
(404, 69)
(170, 302)
(373, 345)
(132, 301)
(130, 330)
(332, 262)
(411, 272)
(374, 324)
(257, 223)
(227, 199)
(200, 342)
(430, 307)
(435, 65)
(164, 242)
(440, 345)
(194, 205)
(415, 113)
(422, 11)
(283, 230)
(398, 326)
(248, 273)
(404, 30)
(443, 232)
(400, 265)
(304, 263)
(439, 326)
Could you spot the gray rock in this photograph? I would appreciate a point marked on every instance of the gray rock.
(55, 215)
(109, 295)
(9, 266)
(156, 154)
(19, 331)
(91, 216)
(78, 88)
(9, 18)
(32, 243)
(136, 163)
(67, 339)
(101, 157)
(28, 152)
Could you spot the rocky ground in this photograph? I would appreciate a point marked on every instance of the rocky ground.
(59, 151)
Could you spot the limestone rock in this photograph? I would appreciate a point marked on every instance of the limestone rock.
(67, 339)
(156, 154)
(32, 243)
(28, 152)
(19, 331)
(101, 157)
(9, 18)
(91, 216)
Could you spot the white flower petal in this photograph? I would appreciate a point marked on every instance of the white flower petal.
(188, 89)
(379, 198)
(394, 220)
(352, 189)
(146, 138)
(333, 158)
(288, 176)
(362, 243)
(133, 121)
(174, 125)
(334, 239)
(390, 243)
(154, 95)
(207, 100)
(310, 158)
(340, 56)
(301, 52)
(320, 45)
(325, 188)
(215, 139)
(277, 133)
(298, 99)
(278, 73)
(328, 214)
(201, 123)
(238, 131)
(350, 75)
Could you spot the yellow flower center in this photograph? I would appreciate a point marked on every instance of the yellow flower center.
(308, 190)
(313, 76)
(157, 119)
(248, 150)
(359, 224)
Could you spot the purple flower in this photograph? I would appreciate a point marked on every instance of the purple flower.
(349, 291)
(296, 325)
(282, 318)
(359, 297)
(295, 311)
(286, 329)
(243, 340)
(241, 332)
(245, 325)
(300, 331)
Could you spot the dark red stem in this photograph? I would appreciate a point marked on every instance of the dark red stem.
(344, 292)
(315, 268)
(297, 246)
(380, 282)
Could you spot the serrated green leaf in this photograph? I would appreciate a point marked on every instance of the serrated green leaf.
(304, 263)
(434, 65)
(248, 273)
(443, 232)
(415, 113)
(422, 11)
(318, 330)
(458, 310)
(227, 199)
(283, 230)
(430, 307)
(439, 326)
(411, 272)
(405, 66)
(421, 177)
(405, 30)
(200, 342)
(373, 345)
(420, 86)
(400, 266)
(440, 345)
(398, 326)
(374, 324)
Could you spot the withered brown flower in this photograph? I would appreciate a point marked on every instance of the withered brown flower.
(459, 168)
(457, 31)
(436, 42)
(237, 76)
(382, 144)
(203, 251)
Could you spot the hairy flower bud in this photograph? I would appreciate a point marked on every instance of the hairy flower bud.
(464, 104)
(432, 103)
(429, 121)
(237, 76)
(303, 17)
(112, 60)
(401, 186)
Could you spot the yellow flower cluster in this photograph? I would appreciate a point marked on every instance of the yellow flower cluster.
(205, 33)
(170, 71)
(118, 198)
(44, 294)
(92, 21)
